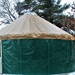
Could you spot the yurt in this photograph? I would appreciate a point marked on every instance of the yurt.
(33, 46)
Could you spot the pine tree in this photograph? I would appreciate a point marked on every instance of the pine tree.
(50, 10)
(24, 6)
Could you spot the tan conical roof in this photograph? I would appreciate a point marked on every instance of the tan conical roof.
(33, 26)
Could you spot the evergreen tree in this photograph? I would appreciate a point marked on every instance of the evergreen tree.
(50, 10)
(24, 6)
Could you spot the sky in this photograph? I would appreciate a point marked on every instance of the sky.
(68, 2)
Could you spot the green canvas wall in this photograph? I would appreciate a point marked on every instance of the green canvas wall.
(37, 56)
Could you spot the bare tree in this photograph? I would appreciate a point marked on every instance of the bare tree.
(7, 12)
